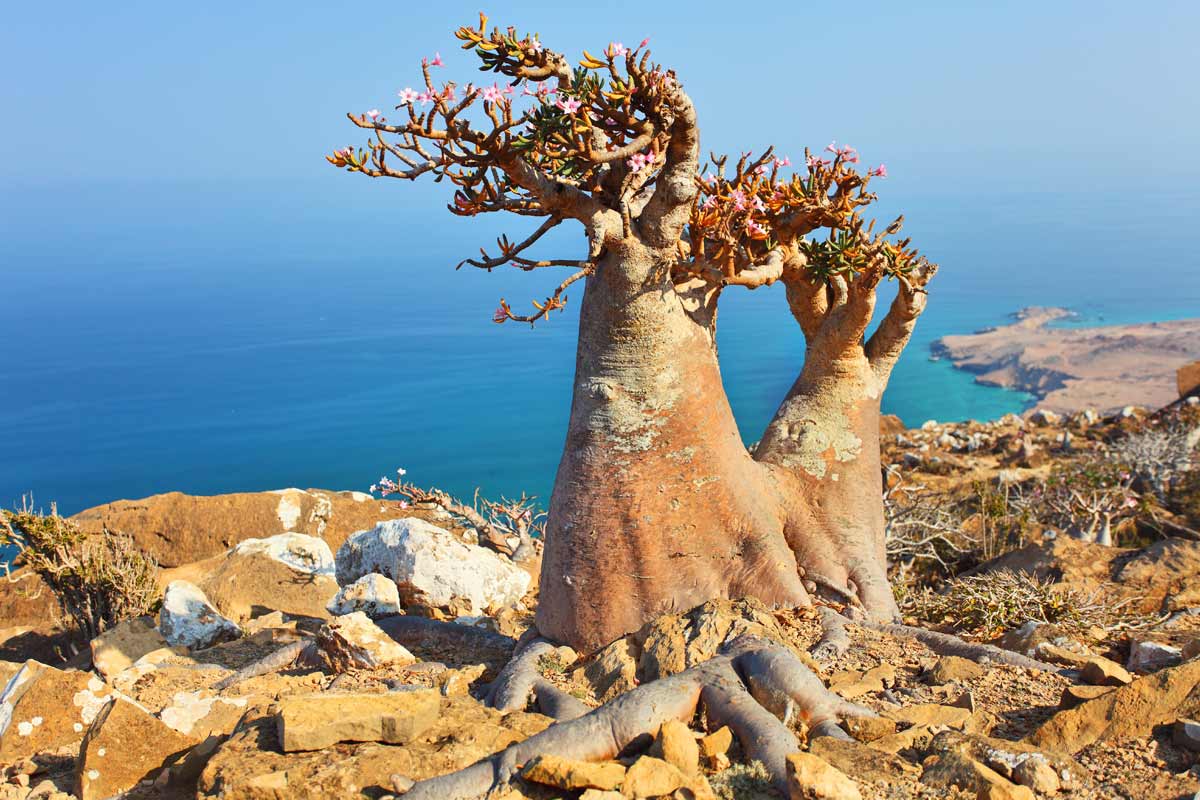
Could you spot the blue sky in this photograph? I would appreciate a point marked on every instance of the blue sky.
(1011, 95)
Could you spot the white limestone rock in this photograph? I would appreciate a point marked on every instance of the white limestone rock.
(189, 620)
(375, 595)
(301, 552)
(430, 563)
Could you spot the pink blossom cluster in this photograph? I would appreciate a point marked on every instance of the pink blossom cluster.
(386, 485)
(639, 161)
(845, 152)
(569, 104)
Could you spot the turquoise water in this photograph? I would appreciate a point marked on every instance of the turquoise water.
(209, 339)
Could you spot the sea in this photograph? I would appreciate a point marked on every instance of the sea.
(210, 338)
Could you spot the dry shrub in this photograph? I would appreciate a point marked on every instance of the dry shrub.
(98, 580)
(986, 605)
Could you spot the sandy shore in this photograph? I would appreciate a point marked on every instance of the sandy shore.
(1070, 368)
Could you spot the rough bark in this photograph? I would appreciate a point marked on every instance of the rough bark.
(658, 506)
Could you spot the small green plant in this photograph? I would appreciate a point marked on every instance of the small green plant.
(98, 579)
(744, 782)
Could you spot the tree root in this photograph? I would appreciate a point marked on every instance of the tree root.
(834, 638)
(301, 651)
(521, 680)
(755, 686)
(946, 644)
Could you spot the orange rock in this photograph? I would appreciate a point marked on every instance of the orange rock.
(124, 746)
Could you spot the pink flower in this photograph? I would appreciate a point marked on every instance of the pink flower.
(645, 42)
(426, 97)
(761, 169)
(616, 49)
(739, 199)
(373, 113)
(407, 95)
(508, 89)
(501, 315)
(374, 488)
(437, 60)
(880, 171)
(816, 161)
(753, 228)
(492, 93)
(448, 95)
(569, 105)
(709, 203)
(759, 205)
(535, 47)
(404, 504)
(832, 147)
(401, 472)
(783, 162)
(639, 161)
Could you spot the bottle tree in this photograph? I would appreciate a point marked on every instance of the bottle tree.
(658, 506)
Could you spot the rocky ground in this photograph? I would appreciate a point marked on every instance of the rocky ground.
(386, 624)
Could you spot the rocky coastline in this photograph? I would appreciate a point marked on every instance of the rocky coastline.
(1064, 369)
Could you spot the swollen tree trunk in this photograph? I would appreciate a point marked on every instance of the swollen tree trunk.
(658, 506)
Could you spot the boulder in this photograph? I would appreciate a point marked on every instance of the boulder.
(1164, 575)
(201, 713)
(375, 595)
(812, 778)
(1127, 712)
(954, 668)
(43, 708)
(714, 746)
(1152, 656)
(180, 529)
(353, 641)
(289, 572)
(316, 721)
(565, 773)
(118, 647)
(1074, 695)
(188, 619)
(1186, 734)
(1187, 379)
(124, 746)
(1099, 671)
(433, 566)
(1045, 417)
(955, 769)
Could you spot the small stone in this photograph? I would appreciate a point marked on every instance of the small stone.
(715, 744)
(1152, 656)
(566, 773)
(1067, 657)
(651, 777)
(864, 762)
(373, 594)
(316, 721)
(601, 794)
(400, 783)
(124, 643)
(812, 778)
(1191, 650)
(188, 619)
(353, 641)
(1074, 695)
(930, 715)
(1186, 734)
(1100, 671)
(954, 668)
(1036, 773)
(676, 745)
(868, 729)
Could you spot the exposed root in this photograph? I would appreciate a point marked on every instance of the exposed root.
(521, 680)
(284, 657)
(423, 633)
(834, 638)
(948, 645)
(755, 686)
